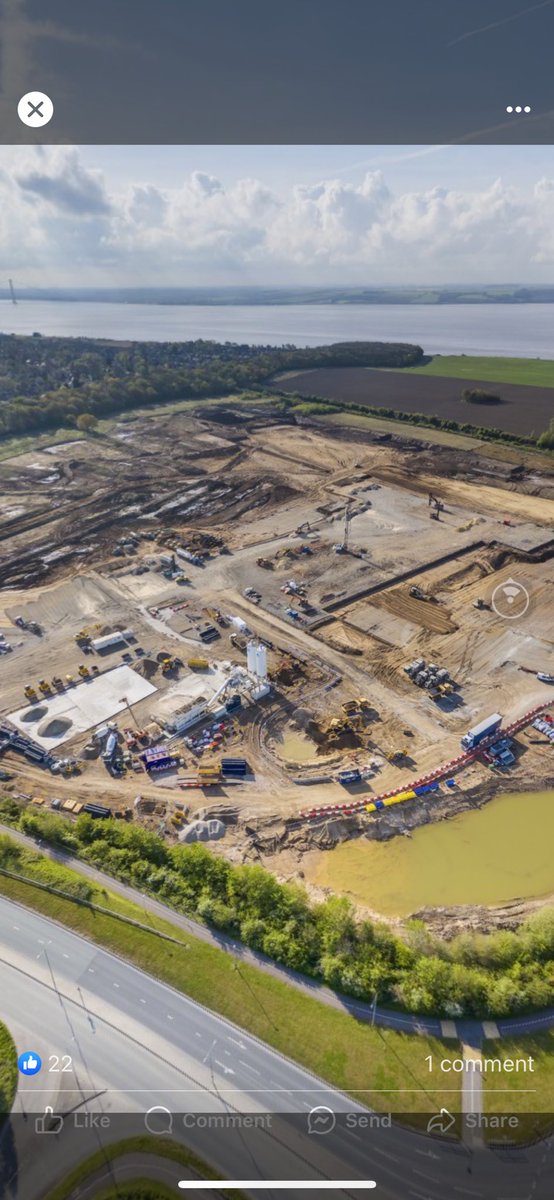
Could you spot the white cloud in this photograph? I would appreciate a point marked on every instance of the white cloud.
(57, 214)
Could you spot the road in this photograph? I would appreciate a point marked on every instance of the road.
(472, 1031)
(134, 1043)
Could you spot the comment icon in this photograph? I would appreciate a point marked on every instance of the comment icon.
(158, 1120)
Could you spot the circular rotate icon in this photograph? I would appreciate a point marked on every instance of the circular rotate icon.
(510, 600)
(35, 109)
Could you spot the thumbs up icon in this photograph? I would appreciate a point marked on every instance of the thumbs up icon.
(51, 1122)
(29, 1063)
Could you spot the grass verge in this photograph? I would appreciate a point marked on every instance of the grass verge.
(381, 1068)
(8, 1070)
(158, 1148)
(529, 1092)
(140, 1189)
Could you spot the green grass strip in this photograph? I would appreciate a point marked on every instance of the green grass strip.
(384, 1069)
(158, 1148)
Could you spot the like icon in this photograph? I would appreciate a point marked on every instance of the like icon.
(29, 1063)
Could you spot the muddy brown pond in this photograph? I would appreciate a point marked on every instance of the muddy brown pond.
(501, 852)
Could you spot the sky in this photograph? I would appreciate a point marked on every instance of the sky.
(276, 215)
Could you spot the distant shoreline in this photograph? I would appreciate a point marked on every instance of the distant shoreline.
(430, 297)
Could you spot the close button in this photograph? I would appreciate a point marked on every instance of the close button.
(35, 109)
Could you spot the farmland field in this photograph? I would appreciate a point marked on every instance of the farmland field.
(534, 372)
(526, 409)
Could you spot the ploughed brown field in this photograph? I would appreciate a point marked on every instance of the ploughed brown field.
(525, 409)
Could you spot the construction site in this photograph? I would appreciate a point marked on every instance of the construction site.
(235, 626)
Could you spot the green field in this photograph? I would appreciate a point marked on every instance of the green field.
(8, 1070)
(381, 1068)
(533, 372)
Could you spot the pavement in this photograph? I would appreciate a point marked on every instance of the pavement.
(466, 1029)
(133, 1042)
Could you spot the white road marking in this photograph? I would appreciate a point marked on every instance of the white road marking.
(384, 1154)
(206, 1056)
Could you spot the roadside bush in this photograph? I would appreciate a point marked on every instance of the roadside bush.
(481, 975)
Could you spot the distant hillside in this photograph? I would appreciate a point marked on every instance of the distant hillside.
(485, 294)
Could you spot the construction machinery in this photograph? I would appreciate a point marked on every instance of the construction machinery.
(264, 562)
(45, 687)
(83, 671)
(30, 692)
(342, 547)
(417, 593)
(395, 756)
(58, 683)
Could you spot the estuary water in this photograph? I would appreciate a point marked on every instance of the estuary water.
(519, 330)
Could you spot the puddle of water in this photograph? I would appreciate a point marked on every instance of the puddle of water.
(296, 746)
(499, 853)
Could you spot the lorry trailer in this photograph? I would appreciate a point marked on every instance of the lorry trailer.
(483, 730)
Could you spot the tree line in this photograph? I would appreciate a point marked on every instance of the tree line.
(490, 975)
(47, 383)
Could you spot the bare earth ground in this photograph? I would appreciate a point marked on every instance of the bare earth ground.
(251, 481)
(523, 408)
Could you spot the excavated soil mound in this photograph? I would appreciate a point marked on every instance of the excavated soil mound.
(54, 727)
(35, 714)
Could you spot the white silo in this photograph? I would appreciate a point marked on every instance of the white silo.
(261, 661)
(251, 650)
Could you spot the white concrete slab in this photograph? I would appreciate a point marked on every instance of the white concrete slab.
(191, 688)
(56, 719)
